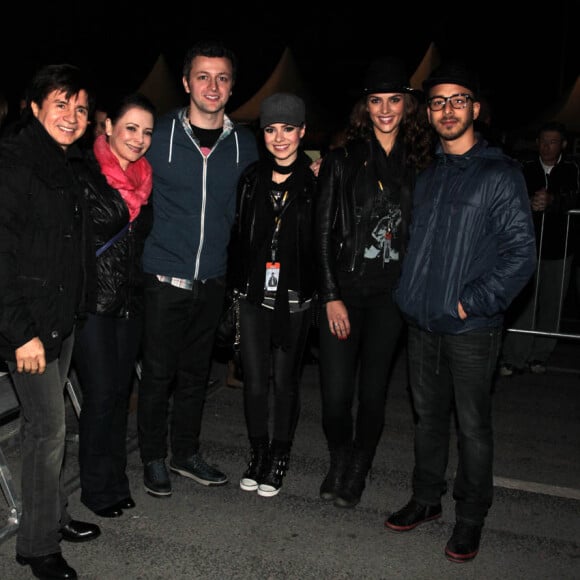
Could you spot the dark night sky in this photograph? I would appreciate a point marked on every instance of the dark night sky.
(526, 62)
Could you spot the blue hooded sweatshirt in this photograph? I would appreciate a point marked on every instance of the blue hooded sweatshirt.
(194, 197)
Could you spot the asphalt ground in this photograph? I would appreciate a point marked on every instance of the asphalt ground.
(532, 531)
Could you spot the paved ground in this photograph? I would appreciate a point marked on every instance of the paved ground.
(532, 532)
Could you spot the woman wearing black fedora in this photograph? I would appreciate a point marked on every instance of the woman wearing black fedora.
(363, 214)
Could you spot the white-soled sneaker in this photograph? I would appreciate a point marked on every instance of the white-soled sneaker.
(248, 484)
(268, 490)
(537, 367)
(272, 482)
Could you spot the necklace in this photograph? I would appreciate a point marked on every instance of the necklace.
(278, 198)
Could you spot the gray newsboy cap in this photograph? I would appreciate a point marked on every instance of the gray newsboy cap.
(282, 108)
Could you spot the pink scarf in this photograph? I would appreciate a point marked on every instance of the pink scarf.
(134, 185)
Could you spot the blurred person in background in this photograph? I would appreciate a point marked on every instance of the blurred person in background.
(553, 184)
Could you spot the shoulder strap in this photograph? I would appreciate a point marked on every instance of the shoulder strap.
(116, 237)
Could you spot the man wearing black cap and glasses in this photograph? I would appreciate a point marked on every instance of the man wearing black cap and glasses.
(472, 249)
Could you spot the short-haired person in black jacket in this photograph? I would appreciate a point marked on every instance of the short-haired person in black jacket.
(363, 214)
(44, 260)
(108, 343)
(273, 268)
(553, 183)
(471, 250)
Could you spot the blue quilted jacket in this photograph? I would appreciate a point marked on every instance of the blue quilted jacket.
(471, 241)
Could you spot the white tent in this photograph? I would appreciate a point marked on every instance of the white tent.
(568, 110)
(284, 78)
(162, 87)
(429, 62)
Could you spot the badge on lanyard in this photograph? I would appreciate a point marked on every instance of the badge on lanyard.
(272, 276)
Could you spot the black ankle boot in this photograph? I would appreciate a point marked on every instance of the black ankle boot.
(353, 483)
(339, 459)
(258, 464)
(279, 459)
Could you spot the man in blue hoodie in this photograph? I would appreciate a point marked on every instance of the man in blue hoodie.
(197, 155)
(472, 249)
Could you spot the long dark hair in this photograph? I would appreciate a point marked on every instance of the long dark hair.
(414, 129)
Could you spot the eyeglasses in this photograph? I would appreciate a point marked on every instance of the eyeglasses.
(458, 101)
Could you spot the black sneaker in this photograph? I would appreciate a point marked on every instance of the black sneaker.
(156, 478)
(197, 469)
(412, 515)
(464, 543)
(272, 482)
(257, 466)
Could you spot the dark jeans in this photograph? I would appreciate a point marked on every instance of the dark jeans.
(447, 372)
(258, 358)
(367, 353)
(178, 342)
(104, 356)
(43, 428)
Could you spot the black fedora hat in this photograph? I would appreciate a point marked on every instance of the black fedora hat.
(453, 72)
(388, 75)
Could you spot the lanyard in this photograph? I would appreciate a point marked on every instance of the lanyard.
(278, 221)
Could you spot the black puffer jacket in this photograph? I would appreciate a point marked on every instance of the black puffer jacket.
(44, 243)
(119, 285)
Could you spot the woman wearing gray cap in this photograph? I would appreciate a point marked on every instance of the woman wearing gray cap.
(363, 214)
(273, 269)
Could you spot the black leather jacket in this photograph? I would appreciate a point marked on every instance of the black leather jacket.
(119, 274)
(342, 214)
(243, 258)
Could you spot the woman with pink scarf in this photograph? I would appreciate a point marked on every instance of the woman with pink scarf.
(108, 342)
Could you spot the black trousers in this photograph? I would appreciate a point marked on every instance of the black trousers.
(359, 365)
(178, 342)
(104, 356)
(259, 358)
